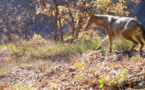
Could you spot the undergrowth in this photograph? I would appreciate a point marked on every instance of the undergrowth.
(122, 44)
(92, 70)
(40, 47)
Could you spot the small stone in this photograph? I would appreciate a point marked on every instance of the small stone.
(71, 68)
(141, 84)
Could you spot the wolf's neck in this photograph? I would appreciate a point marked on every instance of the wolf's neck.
(100, 21)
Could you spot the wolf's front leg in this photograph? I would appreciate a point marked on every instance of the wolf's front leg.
(103, 42)
(110, 43)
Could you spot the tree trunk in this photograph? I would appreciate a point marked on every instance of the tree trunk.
(60, 28)
(55, 19)
(6, 21)
(79, 25)
(72, 19)
(80, 21)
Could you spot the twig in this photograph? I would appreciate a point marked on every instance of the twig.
(132, 72)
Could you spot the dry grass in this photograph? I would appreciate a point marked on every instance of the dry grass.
(39, 47)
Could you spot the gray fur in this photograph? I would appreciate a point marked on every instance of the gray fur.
(125, 27)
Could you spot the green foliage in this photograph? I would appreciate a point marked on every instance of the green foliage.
(122, 44)
(122, 75)
(39, 47)
(101, 82)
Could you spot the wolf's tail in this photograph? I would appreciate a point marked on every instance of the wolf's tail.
(142, 31)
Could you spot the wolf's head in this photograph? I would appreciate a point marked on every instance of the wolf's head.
(91, 21)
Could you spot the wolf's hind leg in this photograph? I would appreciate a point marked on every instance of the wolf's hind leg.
(135, 43)
(128, 34)
(140, 41)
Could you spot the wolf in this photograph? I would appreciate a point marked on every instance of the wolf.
(115, 26)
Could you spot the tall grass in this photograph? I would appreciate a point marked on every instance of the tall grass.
(39, 47)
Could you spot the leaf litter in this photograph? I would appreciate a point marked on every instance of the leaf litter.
(88, 71)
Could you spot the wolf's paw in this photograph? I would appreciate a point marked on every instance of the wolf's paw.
(98, 48)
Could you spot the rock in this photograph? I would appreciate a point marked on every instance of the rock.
(141, 84)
